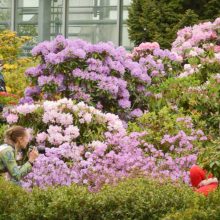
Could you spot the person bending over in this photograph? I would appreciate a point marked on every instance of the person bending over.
(16, 138)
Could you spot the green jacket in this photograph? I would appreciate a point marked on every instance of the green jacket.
(8, 163)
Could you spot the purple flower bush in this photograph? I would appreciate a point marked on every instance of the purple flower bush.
(199, 46)
(159, 63)
(120, 156)
(85, 146)
(163, 100)
(100, 74)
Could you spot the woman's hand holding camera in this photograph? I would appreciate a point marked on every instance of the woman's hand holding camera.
(33, 155)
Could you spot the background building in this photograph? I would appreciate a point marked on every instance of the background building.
(91, 20)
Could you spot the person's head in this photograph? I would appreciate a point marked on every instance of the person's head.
(17, 136)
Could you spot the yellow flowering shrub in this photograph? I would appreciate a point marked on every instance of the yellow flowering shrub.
(14, 66)
(11, 46)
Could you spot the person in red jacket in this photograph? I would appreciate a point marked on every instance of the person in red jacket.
(203, 182)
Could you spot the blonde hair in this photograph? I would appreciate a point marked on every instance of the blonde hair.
(13, 133)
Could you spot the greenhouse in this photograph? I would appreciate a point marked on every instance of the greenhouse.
(91, 20)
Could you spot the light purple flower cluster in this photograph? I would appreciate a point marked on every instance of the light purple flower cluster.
(159, 63)
(191, 41)
(120, 156)
(198, 45)
(109, 155)
(93, 73)
(55, 167)
(124, 156)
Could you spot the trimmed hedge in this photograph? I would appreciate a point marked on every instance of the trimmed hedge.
(204, 209)
(132, 199)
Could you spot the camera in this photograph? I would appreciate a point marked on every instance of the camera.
(40, 149)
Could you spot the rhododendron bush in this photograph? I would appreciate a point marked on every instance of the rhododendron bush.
(86, 146)
(56, 122)
(99, 74)
(199, 46)
(195, 87)
(103, 114)
(159, 63)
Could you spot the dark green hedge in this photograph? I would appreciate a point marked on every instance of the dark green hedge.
(132, 199)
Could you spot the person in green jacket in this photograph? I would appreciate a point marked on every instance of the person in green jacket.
(16, 139)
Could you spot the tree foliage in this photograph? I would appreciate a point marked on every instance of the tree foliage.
(159, 20)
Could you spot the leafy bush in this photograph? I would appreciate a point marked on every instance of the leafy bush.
(203, 209)
(209, 157)
(99, 74)
(13, 195)
(164, 128)
(132, 199)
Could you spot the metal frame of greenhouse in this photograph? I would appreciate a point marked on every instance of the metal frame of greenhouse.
(91, 20)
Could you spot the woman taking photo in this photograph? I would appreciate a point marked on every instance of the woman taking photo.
(16, 138)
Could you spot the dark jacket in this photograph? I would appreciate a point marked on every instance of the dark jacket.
(2, 83)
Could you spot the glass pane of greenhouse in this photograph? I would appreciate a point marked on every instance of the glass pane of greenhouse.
(56, 24)
(5, 14)
(125, 39)
(93, 20)
(27, 18)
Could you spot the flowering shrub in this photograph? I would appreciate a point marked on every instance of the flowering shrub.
(159, 63)
(14, 74)
(195, 88)
(14, 65)
(168, 129)
(199, 46)
(99, 74)
(88, 147)
(57, 122)
(123, 156)
(200, 100)
(11, 45)
(118, 157)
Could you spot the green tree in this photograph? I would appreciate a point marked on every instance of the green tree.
(158, 20)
